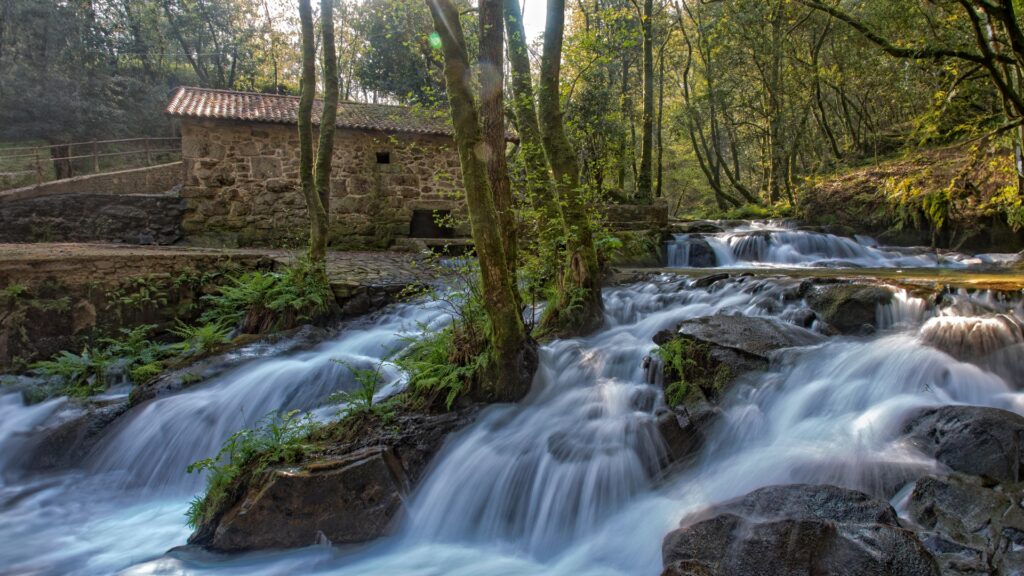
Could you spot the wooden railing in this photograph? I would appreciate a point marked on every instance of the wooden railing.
(24, 164)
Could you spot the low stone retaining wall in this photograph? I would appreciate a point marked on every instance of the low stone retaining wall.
(131, 219)
(653, 216)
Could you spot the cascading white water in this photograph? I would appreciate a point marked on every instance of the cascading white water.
(772, 244)
(129, 503)
(564, 482)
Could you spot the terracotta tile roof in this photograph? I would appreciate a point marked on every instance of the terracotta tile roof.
(206, 103)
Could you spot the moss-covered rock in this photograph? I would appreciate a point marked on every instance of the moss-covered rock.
(848, 308)
(349, 488)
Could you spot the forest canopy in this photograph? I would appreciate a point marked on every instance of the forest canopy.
(713, 104)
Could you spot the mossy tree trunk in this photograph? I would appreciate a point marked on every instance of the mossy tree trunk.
(577, 306)
(538, 181)
(492, 112)
(644, 182)
(513, 358)
(329, 116)
(317, 212)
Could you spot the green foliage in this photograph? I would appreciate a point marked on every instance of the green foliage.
(139, 292)
(81, 375)
(676, 362)
(442, 365)
(262, 301)
(278, 438)
(14, 291)
(360, 401)
(689, 368)
(201, 338)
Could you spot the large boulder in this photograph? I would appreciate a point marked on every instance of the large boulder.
(725, 347)
(979, 441)
(970, 526)
(349, 499)
(717, 351)
(848, 308)
(700, 253)
(796, 530)
(350, 491)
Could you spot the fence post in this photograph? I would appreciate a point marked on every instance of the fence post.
(39, 169)
(95, 158)
(149, 161)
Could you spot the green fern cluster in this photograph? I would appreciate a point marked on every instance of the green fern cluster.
(299, 292)
(278, 438)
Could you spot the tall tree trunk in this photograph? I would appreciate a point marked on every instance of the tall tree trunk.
(538, 182)
(317, 214)
(513, 357)
(578, 307)
(329, 115)
(644, 178)
(492, 112)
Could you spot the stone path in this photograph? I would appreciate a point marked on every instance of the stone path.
(109, 263)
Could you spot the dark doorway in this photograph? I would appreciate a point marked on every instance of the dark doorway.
(425, 224)
(383, 157)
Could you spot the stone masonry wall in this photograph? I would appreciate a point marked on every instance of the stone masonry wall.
(241, 185)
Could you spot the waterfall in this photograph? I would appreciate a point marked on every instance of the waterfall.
(772, 244)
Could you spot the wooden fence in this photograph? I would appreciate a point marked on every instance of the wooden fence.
(23, 165)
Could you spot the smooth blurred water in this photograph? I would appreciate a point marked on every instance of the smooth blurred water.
(566, 482)
(773, 244)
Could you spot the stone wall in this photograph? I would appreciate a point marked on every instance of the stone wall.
(151, 180)
(241, 185)
(653, 216)
(88, 217)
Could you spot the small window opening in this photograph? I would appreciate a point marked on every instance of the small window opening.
(383, 157)
(431, 224)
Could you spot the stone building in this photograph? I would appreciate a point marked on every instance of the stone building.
(395, 170)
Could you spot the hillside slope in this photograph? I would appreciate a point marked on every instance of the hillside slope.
(949, 197)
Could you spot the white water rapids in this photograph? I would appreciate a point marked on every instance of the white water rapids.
(774, 244)
(566, 482)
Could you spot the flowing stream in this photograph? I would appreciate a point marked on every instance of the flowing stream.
(776, 244)
(565, 482)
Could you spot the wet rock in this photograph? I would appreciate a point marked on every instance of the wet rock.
(351, 491)
(350, 499)
(698, 227)
(710, 279)
(970, 527)
(849, 308)
(684, 429)
(740, 344)
(720, 350)
(701, 253)
(68, 436)
(985, 442)
(796, 530)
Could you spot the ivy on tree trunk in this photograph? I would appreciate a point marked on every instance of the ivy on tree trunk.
(577, 306)
(513, 359)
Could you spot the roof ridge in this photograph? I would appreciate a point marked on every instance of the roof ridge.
(340, 102)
